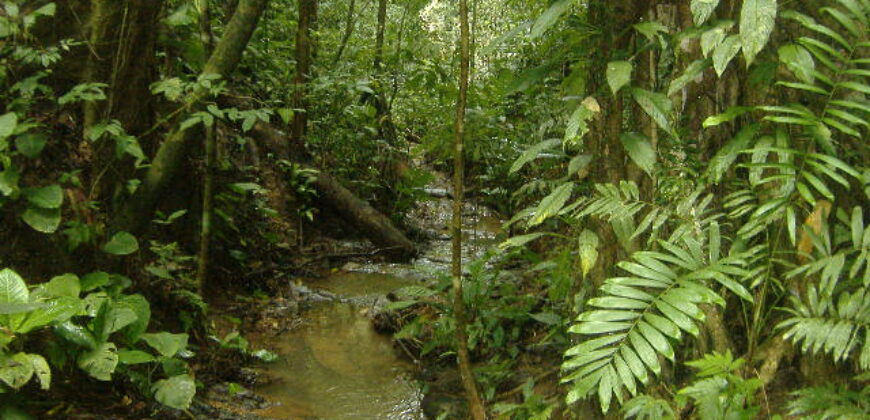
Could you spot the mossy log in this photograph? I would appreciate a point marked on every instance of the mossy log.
(366, 219)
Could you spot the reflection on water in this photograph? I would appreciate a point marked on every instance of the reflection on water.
(338, 367)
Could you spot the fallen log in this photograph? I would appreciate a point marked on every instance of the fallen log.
(366, 219)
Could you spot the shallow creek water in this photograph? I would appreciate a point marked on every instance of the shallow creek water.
(335, 366)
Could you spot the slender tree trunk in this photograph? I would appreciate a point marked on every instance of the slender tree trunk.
(170, 156)
(349, 25)
(475, 404)
(307, 10)
(208, 164)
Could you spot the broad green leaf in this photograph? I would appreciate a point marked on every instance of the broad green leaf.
(64, 285)
(167, 344)
(76, 334)
(725, 52)
(550, 17)
(695, 69)
(587, 245)
(650, 29)
(42, 220)
(13, 290)
(59, 309)
(640, 150)
(711, 39)
(112, 317)
(521, 240)
(122, 243)
(41, 370)
(16, 371)
(532, 153)
(100, 362)
(729, 115)
(799, 61)
(176, 392)
(618, 75)
(578, 163)
(134, 357)
(31, 144)
(142, 309)
(725, 157)
(8, 122)
(702, 10)
(657, 106)
(94, 280)
(756, 24)
(552, 204)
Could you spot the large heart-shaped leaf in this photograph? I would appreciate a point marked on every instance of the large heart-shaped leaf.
(122, 243)
(42, 220)
(167, 344)
(100, 362)
(50, 197)
(618, 75)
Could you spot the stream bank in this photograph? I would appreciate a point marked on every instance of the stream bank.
(333, 364)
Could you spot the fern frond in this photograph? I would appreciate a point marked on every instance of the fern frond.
(829, 402)
(639, 316)
(834, 328)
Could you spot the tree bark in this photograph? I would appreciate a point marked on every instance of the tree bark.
(475, 404)
(307, 10)
(170, 156)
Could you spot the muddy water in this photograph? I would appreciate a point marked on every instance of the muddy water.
(336, 366)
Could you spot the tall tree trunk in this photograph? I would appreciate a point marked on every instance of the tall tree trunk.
(208, 164)
(349, 25)
(386, 128)
(307, 10)
(475, 404)
(121, 51)
(170, 156)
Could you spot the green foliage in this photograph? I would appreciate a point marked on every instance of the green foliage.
(720, 392)
(830, 402)
(90, 326)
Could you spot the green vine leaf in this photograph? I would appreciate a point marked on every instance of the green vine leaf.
(756, 24)
(618, 75)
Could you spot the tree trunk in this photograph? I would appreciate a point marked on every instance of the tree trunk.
(307, 10)
(121, 51)
(349, 25)
(170, 156)
(208, 165)
(475, 404)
